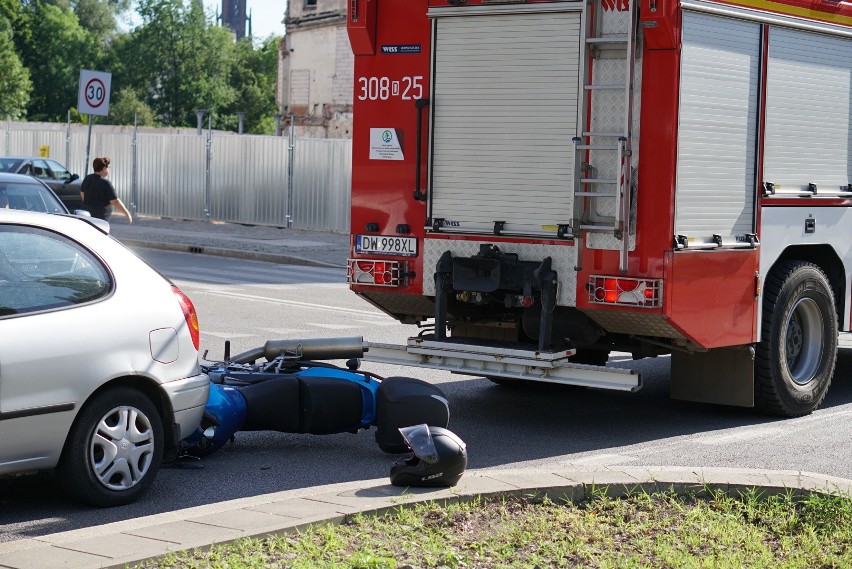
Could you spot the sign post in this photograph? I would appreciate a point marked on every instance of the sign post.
(93, 99)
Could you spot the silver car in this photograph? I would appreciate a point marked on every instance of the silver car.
(99, 373)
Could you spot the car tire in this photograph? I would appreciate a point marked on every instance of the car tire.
(114, 449)
(795, 359)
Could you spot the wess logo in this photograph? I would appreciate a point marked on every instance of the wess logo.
(618, 5)
(402, 48)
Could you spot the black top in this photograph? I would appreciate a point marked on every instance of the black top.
(98, 192)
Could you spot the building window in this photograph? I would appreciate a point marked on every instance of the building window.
(310, 3)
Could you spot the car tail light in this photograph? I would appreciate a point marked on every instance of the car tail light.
(190, 315)
(375, 272)
(645, 293)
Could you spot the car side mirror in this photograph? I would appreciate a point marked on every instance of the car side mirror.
(82, 212)
(72, 178)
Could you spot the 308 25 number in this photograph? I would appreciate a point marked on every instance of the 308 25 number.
(384, 88)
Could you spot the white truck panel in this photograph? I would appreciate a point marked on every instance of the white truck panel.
(808, 110)
(504, 110)
(782, 227)
(717, 130)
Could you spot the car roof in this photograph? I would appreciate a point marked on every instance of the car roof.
(62, 222)
(19, 178)
(25, 158)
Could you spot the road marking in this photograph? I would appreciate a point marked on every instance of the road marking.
(379, 322)
(599, 460)
(741, 435)
(289, 302)
(332, 326)
(196, 277)
(227, 335)
(284, 331)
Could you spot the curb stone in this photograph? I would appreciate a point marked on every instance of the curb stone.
(130, 542)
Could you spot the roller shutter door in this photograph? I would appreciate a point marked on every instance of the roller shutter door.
(717, 127)
(808, 110)
(504, 106)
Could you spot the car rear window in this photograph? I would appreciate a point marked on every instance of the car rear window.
(29, 197)
(42, 270)
(8, 164)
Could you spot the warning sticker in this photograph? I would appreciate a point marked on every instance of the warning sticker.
(385, 145)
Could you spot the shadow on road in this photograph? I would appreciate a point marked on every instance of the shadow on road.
(502, 425)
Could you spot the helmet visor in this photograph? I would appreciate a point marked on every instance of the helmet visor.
(419, 440)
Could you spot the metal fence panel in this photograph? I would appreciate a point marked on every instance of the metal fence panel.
(249, 179)
(321, 182)
(27, 142)
(214, 176)
(171, 172)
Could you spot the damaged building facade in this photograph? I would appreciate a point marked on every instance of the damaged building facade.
(315, 70)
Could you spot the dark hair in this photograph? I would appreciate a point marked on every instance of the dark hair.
(100, 163)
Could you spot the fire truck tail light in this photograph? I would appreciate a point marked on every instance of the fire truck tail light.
(374, 272)
(644, 293)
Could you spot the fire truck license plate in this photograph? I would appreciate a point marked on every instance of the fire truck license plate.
(386, 245)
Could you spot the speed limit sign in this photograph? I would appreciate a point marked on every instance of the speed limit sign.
(93, 98)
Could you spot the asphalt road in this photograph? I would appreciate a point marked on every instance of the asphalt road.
(248, 302)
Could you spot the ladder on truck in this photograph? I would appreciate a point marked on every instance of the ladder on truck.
(602, 195)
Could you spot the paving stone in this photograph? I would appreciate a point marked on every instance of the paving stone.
(301, 508)
(187, 534)
(475, 485)
(540, 485)
(118, 546)
(250, 522)
(51, 557)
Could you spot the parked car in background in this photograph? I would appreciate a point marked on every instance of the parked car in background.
(99, 357)
(65, 184)
(18, 191)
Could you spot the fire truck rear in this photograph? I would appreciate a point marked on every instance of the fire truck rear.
(539, 183)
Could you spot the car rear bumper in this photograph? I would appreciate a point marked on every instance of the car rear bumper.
(188, 397)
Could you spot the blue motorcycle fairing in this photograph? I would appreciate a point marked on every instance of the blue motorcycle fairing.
(226, 409)
(224, 413)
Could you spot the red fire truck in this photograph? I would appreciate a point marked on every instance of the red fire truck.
(538, 183)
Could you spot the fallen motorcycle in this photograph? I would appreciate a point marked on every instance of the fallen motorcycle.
(286, 386)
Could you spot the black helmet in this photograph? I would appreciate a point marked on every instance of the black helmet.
(438, 458)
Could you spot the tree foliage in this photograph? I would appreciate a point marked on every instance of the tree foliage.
(57, 50)
(15, 85)
(172, 63)
(126, 107)
(253, 75)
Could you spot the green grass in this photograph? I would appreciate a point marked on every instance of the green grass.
(664, 530)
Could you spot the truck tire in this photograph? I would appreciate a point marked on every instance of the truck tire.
(114, 449)
(794, 361)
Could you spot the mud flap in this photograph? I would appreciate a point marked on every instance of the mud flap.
(724, 376)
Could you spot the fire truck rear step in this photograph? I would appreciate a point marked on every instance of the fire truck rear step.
(489, 361)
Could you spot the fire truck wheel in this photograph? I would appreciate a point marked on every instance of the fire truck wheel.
(794, 361)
